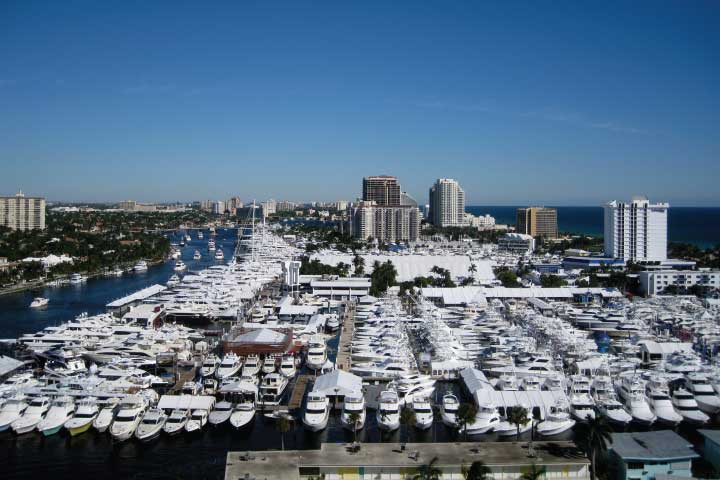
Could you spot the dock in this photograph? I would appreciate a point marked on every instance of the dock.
(298, 392)
(184, 375)
(342, 361)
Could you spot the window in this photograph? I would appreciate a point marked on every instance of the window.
(635, 465)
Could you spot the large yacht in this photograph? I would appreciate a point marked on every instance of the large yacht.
(33, 414)
(151, 425)
(388, 412)
(685, 404)
(631, 391)
(86, 413)
(449, 409)
(423, 413)
(140, 266)
(128, 417)
(317, 412)
(272, 388)
(243, 415)
(354, 403)
(176, 422)
(705, 395)
(61, 410)
(317, 354)
(557, 421)
(229, 366)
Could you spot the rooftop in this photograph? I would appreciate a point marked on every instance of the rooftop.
(652, 446)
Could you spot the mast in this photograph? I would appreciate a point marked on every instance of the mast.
(252, 256)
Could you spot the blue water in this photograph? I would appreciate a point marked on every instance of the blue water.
(698, 226)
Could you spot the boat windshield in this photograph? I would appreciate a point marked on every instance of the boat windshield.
(126, 418)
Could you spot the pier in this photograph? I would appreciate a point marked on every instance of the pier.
(298, 392)
(342, 361)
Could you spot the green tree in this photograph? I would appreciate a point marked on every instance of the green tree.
(466, 414)
(354, 419)
(535, 473)
(477, 471)
(551, 281)
(507, 277)
(518, 416)
(429, 471)
(359, 264)
(594, 436)
(282, 424)
(383, 276)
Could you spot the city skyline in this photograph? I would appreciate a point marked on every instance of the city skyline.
(165, 102)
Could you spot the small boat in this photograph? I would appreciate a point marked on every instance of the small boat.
(200, 235)
(448, 412)
(87, 412)
(388, 412)
(179, 266)
(242, 415)
(128, 417)
(106, 416)
(61, 410)
(118, 272)
(423, 413)
(332, 323)
(197, 255)
(174, 281)
(12, 410)
(39, 302)
(197, 421)
(33, 414)
(140, 266)
(557, 421)
(176, 422)
(211, 245)
(151, 425)
(220, 414)
(219, 255)
(76, 278)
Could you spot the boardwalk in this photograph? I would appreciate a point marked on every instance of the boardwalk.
(342, 361)
(298, 392)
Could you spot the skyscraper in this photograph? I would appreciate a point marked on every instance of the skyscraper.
(636, 231)
(537, 222)
(384, 190)
(22, 213)
(447, 203)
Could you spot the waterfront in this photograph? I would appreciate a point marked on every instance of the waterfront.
(694, 225)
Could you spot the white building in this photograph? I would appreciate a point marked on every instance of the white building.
(385, 223)
(447, 203)
(516, 243)
(654, 282)
(636, 231)
(482, 222)
(218, 207)
(22, 213)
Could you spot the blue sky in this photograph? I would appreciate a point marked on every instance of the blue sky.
(563, 103)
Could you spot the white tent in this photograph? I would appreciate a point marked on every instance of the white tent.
(338, 383)
(185, 402)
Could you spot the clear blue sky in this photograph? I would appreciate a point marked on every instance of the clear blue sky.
(565, 103)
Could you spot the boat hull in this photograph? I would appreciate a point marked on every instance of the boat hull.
(80, 429)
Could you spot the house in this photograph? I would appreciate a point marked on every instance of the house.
(645, 455)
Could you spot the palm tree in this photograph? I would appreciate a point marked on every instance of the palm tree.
(517, 416)
(282, 425)
(593, 437)
(466, 414)
(429, 471)
(472, 269)
(354, 419)
(407, 418)
(477, 471)
(534, 473)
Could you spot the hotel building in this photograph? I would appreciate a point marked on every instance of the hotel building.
(22, 213)
(636, 231)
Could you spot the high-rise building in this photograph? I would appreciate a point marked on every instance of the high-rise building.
(384, 190)
(218, 208)
(22, 213)
(447, 203)
(636, 231)
(537, 222)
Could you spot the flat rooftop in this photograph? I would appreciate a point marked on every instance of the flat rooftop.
(285, 465)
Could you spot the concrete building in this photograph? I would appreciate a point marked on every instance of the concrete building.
(385, 223)
(654, 282)
(647, 455)
(636, 231)
(516, 243)
(711, 447)
(447, 203)
(584, 262)
(269, 207)
(384, 190)
(22, 213)
(218, 207)
(407, 201)
(395, 461)
(537, 222)
(482, 222)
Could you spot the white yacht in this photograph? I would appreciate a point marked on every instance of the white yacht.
(685, 404)
(229, 366)
(210, 365)
(269, 364)
(128, 417)
(11, 410)
(614, 411)
(662, 406)
(631, 392)
(219, 255)
(151, 425)
(211, 245)
(582, 406)
(176, 422)
(198, 419)
(117, 272)
(32, 415)
(423, 413)
(39, 302)
(86, 413)
(220, 413)
(200, 235)
(272, 388)
(354, 403)
(242, 415)
(180, 266)
(252, 366)
(388, 412)
(317, 412)
(173, 281)
(707, 399)
(317, 354)
(197, 255)
(106, 416)
(61, 410)
(140, 266)
(332, 322)
(448, 412)
(557, 420)
(486, 420)
(76, 278)
(287, 366)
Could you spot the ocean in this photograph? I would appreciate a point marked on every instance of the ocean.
(694, 225)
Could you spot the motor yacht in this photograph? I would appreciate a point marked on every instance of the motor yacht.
(220, 413)
(219, 255)
(272, 387)
(229, 366)
(209, 386)
(287, 366)
(128, 417)
(582, 406)
(61, 410)
(76, 278)
(86, 413)
(332, 322)
(173, 281)
(197, 255)
(614, 411)
(707, 399)
(486, 420)
(12, 410)
(423, 413)
(180, 266)
(140, 266)
(200, 235)
(388, 412)
(557, 420)
(198, 419)
(269, 364)
(354, 403)
(448, 411)
(106, 415)
(210, 365)
(242, 415)
(211, 245)
(317, 412)
(39, 302)
(662, 406)
(631, 392)
(252, 366)
(685, 404)
(317, 354)
(152, 425)
(33, 414)
(176, 421)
